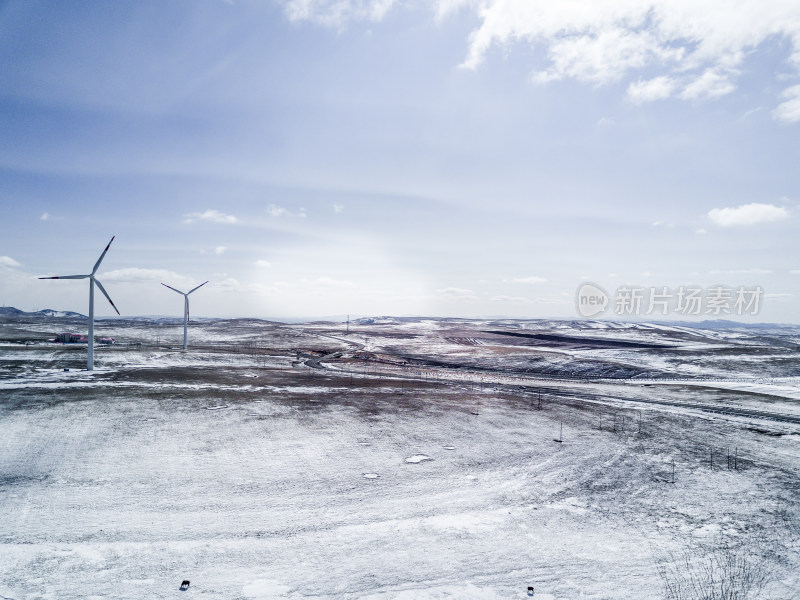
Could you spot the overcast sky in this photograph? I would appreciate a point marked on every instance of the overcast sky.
(374, 157)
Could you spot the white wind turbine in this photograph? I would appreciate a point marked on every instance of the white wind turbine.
(185, 307)
(92, 281)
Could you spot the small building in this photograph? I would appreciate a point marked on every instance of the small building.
(71, 338)
(106, 341)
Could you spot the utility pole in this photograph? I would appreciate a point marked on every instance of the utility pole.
(560, 439)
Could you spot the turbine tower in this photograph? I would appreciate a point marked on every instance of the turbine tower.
(185, 307)
(92, 281)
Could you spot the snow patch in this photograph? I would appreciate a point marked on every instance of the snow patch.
(418, 458)
(89, 552)
(708, 530)
(443, 592)
(265, 589)
(468, 522)
(571, 505)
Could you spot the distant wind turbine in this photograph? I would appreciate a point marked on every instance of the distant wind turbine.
(185, 307)
(92, 281)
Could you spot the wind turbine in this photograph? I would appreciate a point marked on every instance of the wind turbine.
(185, 307)
(92, 281)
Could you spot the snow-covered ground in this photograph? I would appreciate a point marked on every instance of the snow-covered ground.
(240, 468)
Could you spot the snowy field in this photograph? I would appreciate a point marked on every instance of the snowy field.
(406, 459)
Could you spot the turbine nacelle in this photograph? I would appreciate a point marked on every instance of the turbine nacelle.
(185, 293)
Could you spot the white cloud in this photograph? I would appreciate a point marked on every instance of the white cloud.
(278, 211)
(454, 293)
(135, 274)
(694, 48)
(528, 280)
(219, 250)
(263, 263)
(7, 261)
(510, 299)
(600, 40)
(789, 110)
(700, 231)
(213, 216)
(327, 282)
(232, 284)
(599, 59)
(337, 208)
(445, 8)
(747, 214)
(228, 284)
(751, 112)
(657, 88)
(742, 272)
(711, 84)
(45, 216)
(552, 300)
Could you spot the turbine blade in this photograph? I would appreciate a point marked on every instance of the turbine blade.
(105, 293)
(99, 260)
(197, 288)
(67, 277)
(173, 289)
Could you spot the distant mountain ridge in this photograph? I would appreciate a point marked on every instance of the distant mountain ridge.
(10, 311)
